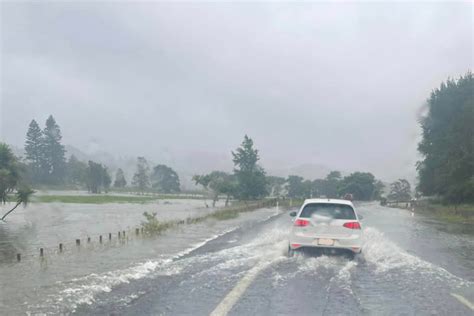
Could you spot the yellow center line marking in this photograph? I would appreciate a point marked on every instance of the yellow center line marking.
(463, 300)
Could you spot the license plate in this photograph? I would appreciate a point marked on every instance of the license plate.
(325, 242)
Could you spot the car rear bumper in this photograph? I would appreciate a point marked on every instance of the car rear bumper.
(352, 243)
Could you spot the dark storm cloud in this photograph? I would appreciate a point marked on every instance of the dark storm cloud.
(332, 84)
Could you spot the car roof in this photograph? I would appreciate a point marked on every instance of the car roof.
(334, 201)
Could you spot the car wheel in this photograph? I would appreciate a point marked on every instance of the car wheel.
(348, 254)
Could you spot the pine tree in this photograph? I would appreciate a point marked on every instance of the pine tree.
(34, 150)
(53, 152)
(250, 176)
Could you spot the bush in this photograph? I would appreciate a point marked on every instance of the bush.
(153, 226)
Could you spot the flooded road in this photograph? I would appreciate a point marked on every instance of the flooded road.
(410, 265)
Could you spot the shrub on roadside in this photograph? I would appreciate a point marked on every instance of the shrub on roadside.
(152, 226)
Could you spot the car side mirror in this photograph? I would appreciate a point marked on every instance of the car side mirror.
(361, 217)
(293, 214)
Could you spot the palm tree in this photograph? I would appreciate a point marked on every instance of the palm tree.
(9, 172)
(22, 197)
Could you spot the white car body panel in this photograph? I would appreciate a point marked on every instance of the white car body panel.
(323, 229)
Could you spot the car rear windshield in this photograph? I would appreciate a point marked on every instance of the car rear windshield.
(335, 211)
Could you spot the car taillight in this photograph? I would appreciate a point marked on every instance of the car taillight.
(352, 225)
(301, 222)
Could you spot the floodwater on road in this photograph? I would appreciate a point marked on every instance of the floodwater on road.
(411, 265)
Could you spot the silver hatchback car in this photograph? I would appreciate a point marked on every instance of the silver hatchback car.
(326, 224)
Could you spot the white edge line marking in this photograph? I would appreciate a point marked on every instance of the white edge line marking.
(236, 293)
(463, 300)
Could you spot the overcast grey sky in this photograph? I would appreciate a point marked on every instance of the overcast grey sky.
(335, 84)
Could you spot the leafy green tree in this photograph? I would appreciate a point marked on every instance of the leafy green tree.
(318, 187)
(275, 186)
(331, 184)
(379, 188)
(34, 151)
(165, 179)
(98, 178)
(202, 180)
(94, 177)
(53, 152)
(334, 176)
(76, 171)
(9, 172)
(23, 195)
(10, 179)
(227, 186)
(360, 184)
(106, 179)
(219, 183)
(400, 190)
(120, 181)
(250, 176)
(308, 189)
(295, 187)
(447, 145)
(141, 178)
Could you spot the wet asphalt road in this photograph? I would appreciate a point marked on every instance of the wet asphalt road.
(411, 265)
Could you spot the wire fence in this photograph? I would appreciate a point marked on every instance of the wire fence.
(120, 238)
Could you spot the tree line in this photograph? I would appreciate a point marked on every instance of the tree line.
(96, 177)
(362, 186)
(447, 144)
(249, 181)
(45, 164)
(161, 178)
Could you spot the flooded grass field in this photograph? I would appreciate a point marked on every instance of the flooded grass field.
(76, 274)
(45, 225)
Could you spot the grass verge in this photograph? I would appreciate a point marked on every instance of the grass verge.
(460, 213)
(152, 226)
